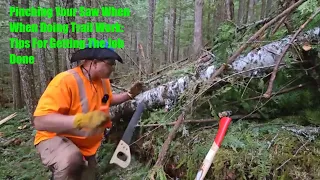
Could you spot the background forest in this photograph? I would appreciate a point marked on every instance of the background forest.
(202, 57)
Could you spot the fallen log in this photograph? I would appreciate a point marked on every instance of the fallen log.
(309, 132)
(255, 64)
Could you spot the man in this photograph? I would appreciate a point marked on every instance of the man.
(68, 121)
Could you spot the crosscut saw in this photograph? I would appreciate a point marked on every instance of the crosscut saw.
(123, 148)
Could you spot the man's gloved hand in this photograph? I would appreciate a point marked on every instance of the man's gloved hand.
(135, 89)
(90, 120)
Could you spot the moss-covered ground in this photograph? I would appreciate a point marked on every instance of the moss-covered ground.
(250, 150)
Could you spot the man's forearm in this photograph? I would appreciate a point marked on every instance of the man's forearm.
(119, 98)
(54, 123)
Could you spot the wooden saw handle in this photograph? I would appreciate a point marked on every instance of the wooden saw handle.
(124, 149)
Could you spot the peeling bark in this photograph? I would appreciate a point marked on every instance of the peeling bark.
(255, 64)
(307, 131)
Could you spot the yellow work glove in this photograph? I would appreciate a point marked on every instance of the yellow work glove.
(135, 89)
(90, 120)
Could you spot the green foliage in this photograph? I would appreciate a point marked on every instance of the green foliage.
(304, 12)
(308, 7)
(223, 39)
(313, 115)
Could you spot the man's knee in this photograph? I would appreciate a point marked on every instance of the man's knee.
(62, 157)
(70, 164)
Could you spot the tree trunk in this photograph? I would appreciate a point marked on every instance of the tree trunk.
(178, 35)
(263, 9)
(88, 3)
(73, 35)
(139, 54)
(197, 37)
(150, 36)
(26, 71)
(15, 74)
(246, 11)
(241, 12)
(16, 86)
(55, 36)
(251, 11)
(94, 4)
(135, 47)
(268, 8)
(230, 9)
(173, 11)
(166, 38)
(41, 58)
(169, 31)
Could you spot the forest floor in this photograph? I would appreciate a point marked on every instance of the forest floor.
(250, 150)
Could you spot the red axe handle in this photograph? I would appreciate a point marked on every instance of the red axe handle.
(223, 126)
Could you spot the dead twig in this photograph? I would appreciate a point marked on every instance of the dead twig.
(267, 94)
(272, 141)
(295, 154)
(257, 108)
(144, 59)
(283, 91)
(166, 145)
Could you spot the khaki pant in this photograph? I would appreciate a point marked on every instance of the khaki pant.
(65, 160)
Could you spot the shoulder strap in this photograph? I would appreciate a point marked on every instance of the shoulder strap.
(104, 86)
(81, 88)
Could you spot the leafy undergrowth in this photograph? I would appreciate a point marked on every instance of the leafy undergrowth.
(250, 150)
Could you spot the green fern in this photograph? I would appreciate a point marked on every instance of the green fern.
(313, 116)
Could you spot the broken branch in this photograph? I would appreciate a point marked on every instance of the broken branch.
(166, 144)
(8, 118)
(280, 92)
(267, 94)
